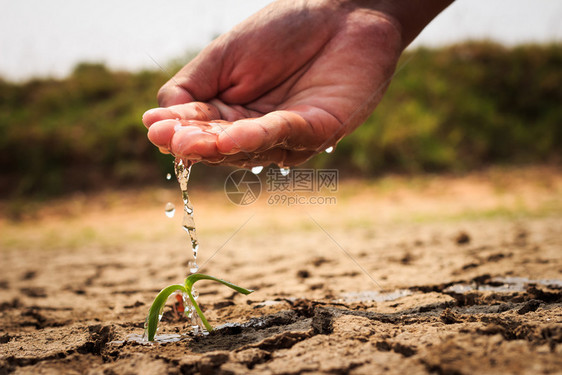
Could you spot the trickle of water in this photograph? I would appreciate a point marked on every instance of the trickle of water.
(183, 169)
(285, 171)
(199, 331)
(196, 324)
(187, 308)
(170, 209)
(169, 176)
(257, 170)
(329, 149)
(195, 251)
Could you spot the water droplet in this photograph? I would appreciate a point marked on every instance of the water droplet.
(329, 149)
(170, 209)
(193, 267)
(285, 171)
(169, 176)
(257, 170)
(195, 294)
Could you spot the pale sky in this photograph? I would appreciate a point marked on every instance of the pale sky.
(48, 37)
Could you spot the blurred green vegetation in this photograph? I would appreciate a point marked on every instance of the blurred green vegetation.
(449, 109)
(460, 108)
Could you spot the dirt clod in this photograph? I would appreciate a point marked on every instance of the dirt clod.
(99, 336)
(531, 305)
(449, 317)
(462, 238)
(322, 321)
(303, 274)
(5, 338)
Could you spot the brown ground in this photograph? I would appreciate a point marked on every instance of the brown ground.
(427, 275)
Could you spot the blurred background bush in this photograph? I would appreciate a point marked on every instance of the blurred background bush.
(450, 109)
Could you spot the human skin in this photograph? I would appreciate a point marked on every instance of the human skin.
(287, 82)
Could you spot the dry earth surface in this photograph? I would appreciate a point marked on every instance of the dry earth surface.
(433, 274)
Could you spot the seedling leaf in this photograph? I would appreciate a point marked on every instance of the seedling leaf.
(191, 279)
(159, 302)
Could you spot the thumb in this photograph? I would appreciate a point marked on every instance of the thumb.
(173, 93)
(196, 81)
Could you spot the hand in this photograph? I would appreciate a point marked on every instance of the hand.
(283, 85)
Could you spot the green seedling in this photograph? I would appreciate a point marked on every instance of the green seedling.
(160, 300)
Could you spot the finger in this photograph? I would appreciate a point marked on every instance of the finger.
(189, 111)
(277, 156)
(197, 80)
(161, 133)
(193, 143)
(259, 134)
(305, 128)
(184, 139)
(293, 158)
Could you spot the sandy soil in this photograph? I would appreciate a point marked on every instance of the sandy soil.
(446, 275)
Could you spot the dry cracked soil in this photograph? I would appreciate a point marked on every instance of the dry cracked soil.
(437, 274)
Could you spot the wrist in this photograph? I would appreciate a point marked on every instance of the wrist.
(409, 16)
